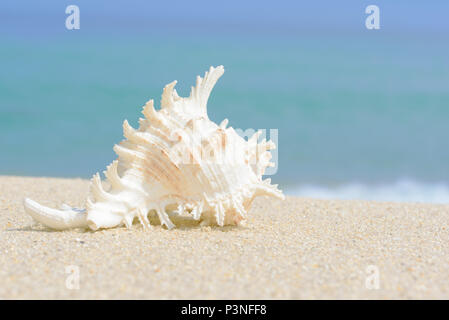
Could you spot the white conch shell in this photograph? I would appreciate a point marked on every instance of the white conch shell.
(176, 161)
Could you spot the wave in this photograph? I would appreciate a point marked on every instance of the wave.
(399, 191)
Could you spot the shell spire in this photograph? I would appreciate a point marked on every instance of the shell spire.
(205, 85)
(177, 162)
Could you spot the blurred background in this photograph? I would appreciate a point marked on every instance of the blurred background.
(362, 114)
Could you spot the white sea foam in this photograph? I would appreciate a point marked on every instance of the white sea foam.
(400, 191)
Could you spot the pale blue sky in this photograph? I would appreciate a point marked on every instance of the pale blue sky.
(279, 16)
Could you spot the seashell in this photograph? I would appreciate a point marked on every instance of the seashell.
(177, 162)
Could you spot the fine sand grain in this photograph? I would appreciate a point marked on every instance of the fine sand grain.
(293, 249)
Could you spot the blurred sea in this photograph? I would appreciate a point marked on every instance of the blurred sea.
(359, 116)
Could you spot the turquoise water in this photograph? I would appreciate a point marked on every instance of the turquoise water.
(359, 116)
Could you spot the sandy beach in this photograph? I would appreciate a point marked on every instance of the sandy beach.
(294, 249)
